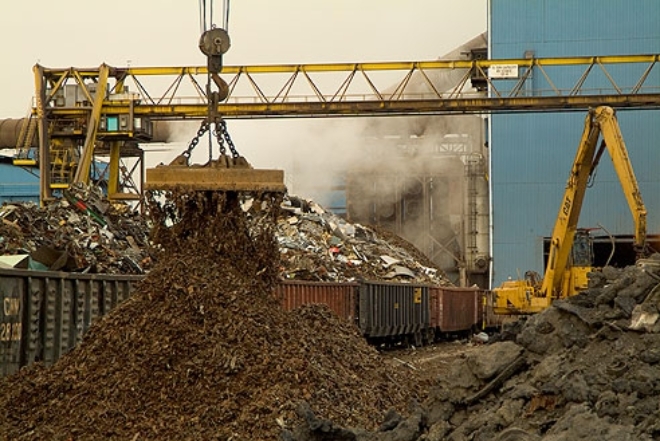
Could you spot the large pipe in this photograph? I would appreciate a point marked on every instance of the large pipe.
(10, 128)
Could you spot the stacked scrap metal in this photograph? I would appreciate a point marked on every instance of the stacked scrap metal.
(320, 246)
(80, 233)
(83, 232)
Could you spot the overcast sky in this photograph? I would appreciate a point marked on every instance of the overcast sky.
(84, 33)
(87, 33)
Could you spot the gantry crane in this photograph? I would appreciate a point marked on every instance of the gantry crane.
(80, 112)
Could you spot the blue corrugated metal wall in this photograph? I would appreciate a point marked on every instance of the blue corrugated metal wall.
(18, 184)
(532, 153)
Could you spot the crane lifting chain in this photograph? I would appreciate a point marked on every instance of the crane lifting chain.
(221, 134)
(230, 174)
(214, 43)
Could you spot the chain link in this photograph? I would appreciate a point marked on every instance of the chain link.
(221, 141)
(193, 143)
(225, 134)
(221, 134)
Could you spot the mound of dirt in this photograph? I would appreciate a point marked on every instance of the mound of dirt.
(203, 351)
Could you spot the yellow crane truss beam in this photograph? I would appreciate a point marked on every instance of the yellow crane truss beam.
(352, 89)
(332, 90)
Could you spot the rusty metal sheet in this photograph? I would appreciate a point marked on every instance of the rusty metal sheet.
(340, 297)
(170, 177)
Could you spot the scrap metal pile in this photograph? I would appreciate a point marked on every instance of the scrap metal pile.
(82, 232)
(202, 349)
(320, 246)
(86, 233)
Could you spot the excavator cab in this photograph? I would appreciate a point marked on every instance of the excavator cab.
(523, 296)
(576, 275)
(582, 253)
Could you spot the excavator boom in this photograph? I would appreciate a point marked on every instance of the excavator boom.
(611, 133)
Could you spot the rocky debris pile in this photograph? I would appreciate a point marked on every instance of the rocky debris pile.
(81, 233)
(317, 245)
(586, 368)
(202, 350)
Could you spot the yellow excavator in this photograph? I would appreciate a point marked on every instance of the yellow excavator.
(570, 257)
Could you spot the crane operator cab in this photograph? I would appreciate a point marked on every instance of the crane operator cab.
(580, 264)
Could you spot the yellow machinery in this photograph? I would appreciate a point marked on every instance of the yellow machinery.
(570, 256)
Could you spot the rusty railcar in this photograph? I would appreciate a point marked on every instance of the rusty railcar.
(456, 310)
(45, 314)
(341, 298)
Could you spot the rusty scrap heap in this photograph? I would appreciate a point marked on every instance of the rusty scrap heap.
(82, 232)
(85, 233)
(318, 245)
(202, 350)
(586, 368)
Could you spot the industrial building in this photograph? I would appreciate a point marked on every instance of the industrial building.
(532, 152)
(18, 183)
(426, 179)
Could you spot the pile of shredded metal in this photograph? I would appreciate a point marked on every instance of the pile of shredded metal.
(317, 245)
(203, 351)
(86, 233)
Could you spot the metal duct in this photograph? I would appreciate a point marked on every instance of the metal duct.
(10, 128)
